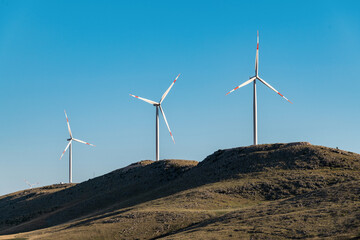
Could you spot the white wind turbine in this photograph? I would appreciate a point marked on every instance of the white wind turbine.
(31, 185)
(70, 149)
(253, 79)
(158, 106)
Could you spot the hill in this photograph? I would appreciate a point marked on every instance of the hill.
(270, 191)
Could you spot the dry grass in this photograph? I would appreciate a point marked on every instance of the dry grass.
(277, 191)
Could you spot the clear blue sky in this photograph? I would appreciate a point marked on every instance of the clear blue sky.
(87, 56)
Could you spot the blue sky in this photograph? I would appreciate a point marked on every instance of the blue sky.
(87, 56)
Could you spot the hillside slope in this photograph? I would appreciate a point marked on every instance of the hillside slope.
(275, 191)
(38, 209)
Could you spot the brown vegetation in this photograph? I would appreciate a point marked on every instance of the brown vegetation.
(271, 191)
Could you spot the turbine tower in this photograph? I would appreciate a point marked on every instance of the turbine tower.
(158, 106)
(70, 148)
(253, 79)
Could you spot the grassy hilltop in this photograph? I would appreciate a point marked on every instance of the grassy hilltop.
(270, 191)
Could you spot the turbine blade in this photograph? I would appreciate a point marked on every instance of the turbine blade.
(27, 183)
(68, 124)
(257, 56)
(65, 149)
(243, 84)
(269, 86)
(168, 90)
(144, 99)
(162, 112)
(77, 140)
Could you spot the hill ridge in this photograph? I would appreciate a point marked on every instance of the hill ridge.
(227, 179)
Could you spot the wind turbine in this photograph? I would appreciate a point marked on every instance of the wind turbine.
(31, 185)
(253, 79)
(158, 106)
(70, 148)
